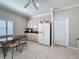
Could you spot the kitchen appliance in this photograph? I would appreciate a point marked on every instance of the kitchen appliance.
(44, 34)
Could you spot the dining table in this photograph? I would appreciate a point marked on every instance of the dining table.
(5, 40)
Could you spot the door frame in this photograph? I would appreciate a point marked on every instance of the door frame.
(61, 18)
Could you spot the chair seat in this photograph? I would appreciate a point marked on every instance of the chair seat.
(13, 45)
(23, 42)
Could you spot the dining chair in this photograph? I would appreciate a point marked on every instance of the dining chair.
(18, 45)
(13, 46)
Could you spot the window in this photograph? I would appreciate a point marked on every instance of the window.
(10, 28)
(6, 27)
(2, 27)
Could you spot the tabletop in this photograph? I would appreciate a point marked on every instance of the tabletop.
(4, 39)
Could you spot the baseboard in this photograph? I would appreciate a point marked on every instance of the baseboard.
(44, 44)
(73, 48)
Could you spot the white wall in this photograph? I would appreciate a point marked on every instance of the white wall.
(19, 22)
(73, 15)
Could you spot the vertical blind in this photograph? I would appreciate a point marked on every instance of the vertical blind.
(6, 27)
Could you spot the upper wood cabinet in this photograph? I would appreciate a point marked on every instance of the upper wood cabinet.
(37, 20)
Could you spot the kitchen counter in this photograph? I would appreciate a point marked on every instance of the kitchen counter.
(36, 32)
(78, 43)
(77, 38)
(31, 30)
(31, 34)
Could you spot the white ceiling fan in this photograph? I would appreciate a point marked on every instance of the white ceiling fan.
(35, 3)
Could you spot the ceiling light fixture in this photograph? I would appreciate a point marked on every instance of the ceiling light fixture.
(35, 3)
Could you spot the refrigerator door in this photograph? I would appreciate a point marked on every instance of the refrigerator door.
(47, 33)
(40, 34)
(44, 33)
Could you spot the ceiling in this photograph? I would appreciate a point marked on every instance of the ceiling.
(45, 5)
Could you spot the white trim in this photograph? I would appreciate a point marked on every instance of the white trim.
(66, 18)
(52, 27)
(61, 17)
(48, 13)
(44, 14)
(73, 48)
(68, 7)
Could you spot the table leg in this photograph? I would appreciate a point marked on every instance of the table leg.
(4, 50)
(12, 52)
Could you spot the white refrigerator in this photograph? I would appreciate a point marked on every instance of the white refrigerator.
(44, 33)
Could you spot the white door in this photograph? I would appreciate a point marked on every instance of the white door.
(61, 31)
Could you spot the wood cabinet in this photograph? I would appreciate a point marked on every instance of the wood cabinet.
(78, 44)
(32, 37)
(33, 23)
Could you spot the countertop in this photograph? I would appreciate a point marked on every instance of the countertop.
(77, 38)
(31, 32)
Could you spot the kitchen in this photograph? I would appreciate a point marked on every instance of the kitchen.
(37, 25)
(47, 32)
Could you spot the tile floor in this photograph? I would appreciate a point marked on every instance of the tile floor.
(37, 51)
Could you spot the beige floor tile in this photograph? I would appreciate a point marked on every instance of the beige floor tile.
(37, 51)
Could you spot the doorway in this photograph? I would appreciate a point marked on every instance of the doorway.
(61, 31)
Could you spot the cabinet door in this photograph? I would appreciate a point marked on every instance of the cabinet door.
(78, 44)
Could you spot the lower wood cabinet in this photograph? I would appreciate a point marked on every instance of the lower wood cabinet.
(32, 37)
(78, 44)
